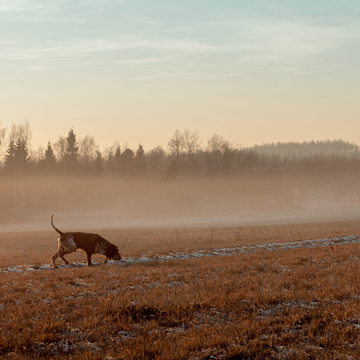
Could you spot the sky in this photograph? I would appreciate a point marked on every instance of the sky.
(134, 71)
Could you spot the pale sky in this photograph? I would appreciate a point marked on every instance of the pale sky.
(137, 70)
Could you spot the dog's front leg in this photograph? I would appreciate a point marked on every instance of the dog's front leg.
(89, 258)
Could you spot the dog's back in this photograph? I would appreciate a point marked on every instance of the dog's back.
(86, 241)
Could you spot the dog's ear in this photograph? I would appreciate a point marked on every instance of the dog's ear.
(111, 250)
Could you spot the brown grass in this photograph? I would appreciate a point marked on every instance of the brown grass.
(284, 304)
(34, 248)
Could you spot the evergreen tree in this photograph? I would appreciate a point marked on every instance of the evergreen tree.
(140, 161)
(110, 162)
(98, 163)
(11, 169)
(71, 152)
(21, 155)
(10, 158)
(117, 159)
(49, 162)
(16, 161)
(21, 162)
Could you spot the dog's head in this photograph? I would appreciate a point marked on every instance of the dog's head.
(112, 252)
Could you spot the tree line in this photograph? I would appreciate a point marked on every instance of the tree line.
(307, 148)
(184, 157)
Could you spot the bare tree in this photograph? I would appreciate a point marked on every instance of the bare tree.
(175, 147)
(191, 141)
(219, 151)
(60, 148)
(127, 162)
(36, 156)
(191, 145)
(24, 132)
(2, 134)
(20, 131)
(87, 149)
(176, 144)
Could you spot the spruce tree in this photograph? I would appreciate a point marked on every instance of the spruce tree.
(11, 169)
(110, 163)
(49, 162)
(71, 152)
(140, 161)
(21, 155)
(117, 159)
(98, 163)
(21, 163)
(10, 158)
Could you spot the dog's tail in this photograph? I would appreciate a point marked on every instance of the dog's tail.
(57, 230)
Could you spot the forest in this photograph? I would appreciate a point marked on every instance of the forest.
(74, 171)
(185, 156)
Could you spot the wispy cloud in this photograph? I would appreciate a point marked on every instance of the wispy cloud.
(36, 12)
(33, 7)
(252, 40)
(87, 47)
(73, 64)
(75, 48)
(15, 6)
(144, 60)
(267, 39)
(233, 38)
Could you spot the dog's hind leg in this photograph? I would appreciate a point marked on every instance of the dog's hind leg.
(106, 260)
(62, 253)
(54, 258)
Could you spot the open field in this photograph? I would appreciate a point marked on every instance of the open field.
(288, 303)
(37, 247)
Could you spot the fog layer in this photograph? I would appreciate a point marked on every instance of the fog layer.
(111, 202)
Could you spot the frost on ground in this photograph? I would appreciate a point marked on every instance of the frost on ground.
(64, 347)
(200, 253)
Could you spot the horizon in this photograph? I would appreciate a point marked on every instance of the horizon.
(203, 142)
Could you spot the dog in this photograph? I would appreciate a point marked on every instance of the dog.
(90, 243)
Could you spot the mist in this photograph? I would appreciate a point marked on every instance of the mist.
(80, 202)
(190, 184)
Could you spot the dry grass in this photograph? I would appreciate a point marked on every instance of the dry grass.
(284, 304)
(34, 248)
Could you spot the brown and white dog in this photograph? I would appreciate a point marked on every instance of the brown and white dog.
(90, 243)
